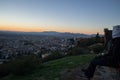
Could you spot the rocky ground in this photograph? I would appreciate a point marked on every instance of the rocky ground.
(102, 73)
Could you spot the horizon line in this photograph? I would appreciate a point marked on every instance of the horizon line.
(46, 31)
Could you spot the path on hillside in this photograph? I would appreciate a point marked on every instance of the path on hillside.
(102, 73)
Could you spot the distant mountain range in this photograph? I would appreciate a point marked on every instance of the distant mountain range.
(49, 33)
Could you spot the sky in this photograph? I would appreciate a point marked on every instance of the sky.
(76, 16)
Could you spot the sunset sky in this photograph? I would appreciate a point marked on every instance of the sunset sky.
(77, 16)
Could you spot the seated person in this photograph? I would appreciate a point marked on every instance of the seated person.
(112, 59)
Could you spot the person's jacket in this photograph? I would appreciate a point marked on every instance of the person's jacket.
(116, 50)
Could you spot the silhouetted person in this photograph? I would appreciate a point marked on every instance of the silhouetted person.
(111, 59)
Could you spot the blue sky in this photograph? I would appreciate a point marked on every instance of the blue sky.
(78, 16)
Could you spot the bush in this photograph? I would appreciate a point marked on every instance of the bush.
(4, 69)
(98, 48)
(53, 56)
(78, 51)
(21, 66)
(25, 65)
(86, 42)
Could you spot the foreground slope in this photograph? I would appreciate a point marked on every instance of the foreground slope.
(52, 70)
(67, 68)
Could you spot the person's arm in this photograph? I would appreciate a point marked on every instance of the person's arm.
(108, 50)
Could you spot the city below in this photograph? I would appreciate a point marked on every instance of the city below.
(14, 44)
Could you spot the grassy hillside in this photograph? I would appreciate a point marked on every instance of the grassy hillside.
(51, 70)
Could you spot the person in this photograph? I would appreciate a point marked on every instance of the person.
(111, 59)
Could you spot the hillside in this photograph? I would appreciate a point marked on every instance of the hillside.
(52, 70)
(67, 68)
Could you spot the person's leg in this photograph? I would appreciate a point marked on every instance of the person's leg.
(89, 72)
(102, 61)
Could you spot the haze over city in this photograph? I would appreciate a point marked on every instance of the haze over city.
(76, 16)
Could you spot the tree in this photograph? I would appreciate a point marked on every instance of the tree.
(97, 37)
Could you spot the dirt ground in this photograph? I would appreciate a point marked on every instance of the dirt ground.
(101, 73)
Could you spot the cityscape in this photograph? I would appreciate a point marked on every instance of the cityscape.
(59, 39)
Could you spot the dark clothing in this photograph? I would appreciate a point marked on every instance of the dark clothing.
(112, 59)
(100, 61)
(116, 50)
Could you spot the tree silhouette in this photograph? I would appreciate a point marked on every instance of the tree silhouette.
(97, 37)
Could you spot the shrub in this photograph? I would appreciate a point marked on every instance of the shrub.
(4, 69)
(86, 42)
(20, 66)
(25, 65)
(53, 56)
(98, 48)
(77, 51)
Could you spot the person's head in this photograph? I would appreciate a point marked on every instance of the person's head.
(116, 32)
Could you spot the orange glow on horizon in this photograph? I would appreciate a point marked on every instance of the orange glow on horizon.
(39, 29)
(20, 29)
